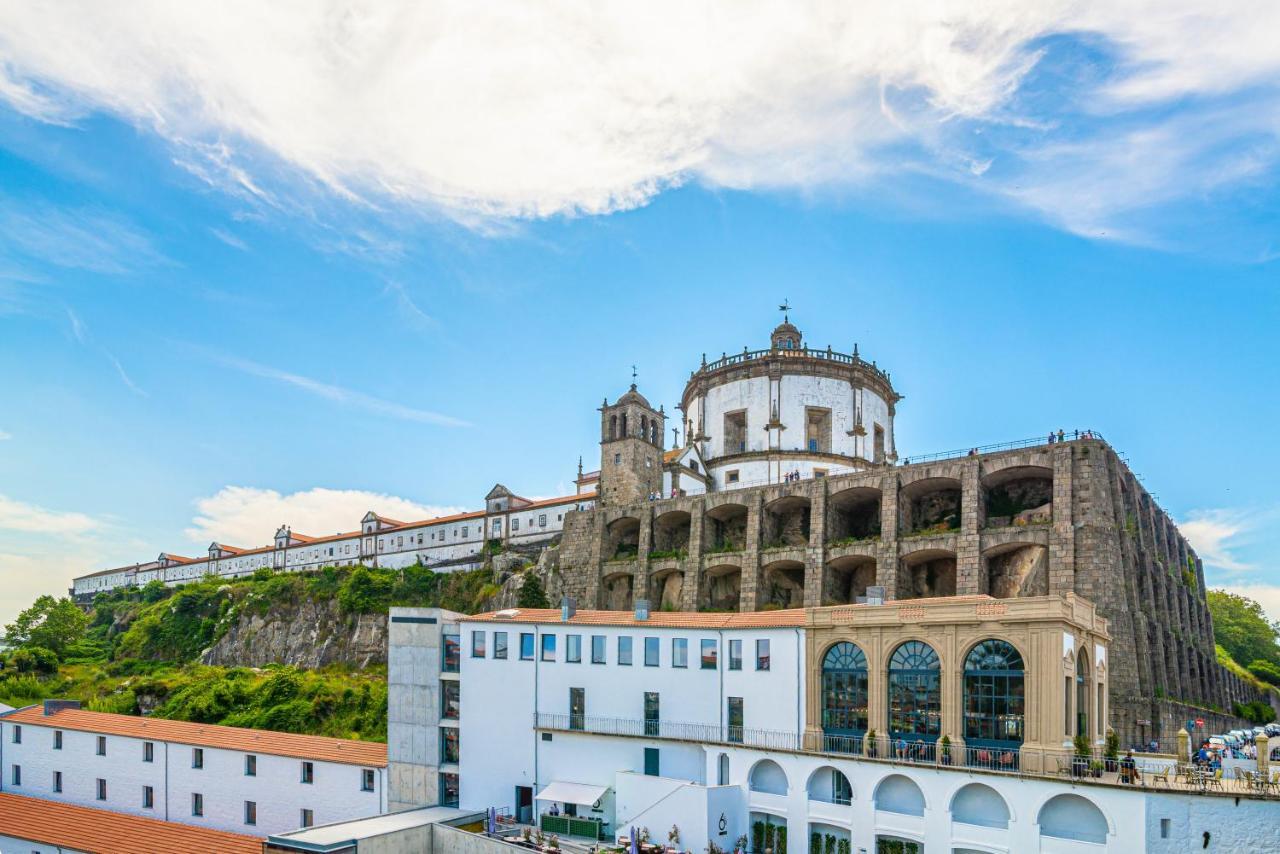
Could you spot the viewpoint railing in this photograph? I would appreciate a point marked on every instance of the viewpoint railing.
(827, 355)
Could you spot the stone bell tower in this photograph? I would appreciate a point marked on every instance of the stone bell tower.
(631, 435)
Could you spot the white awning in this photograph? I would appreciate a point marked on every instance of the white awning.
(572, 793)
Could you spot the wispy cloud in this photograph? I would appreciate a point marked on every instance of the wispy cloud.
(124, 377)
(30, 518)
(77, 325)
(339, 394)
(571, 110)
(83, 238)
(5, 435)
(245, 516)
(406, 307)
(229, 239)
(81, 333)
(1218, 534)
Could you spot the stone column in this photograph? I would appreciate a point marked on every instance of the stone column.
(693, 575)
(640, 581)
(1184, 746)
(887, 554)
(1261, 741)
(970, 577)
(1062, 534)
(815, 552)
(750, 587)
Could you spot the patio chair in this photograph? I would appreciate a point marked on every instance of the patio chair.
(1064, 767)
(1161, 776)
(1215, 780)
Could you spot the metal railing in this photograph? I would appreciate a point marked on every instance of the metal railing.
(827, 355)
(671, 730)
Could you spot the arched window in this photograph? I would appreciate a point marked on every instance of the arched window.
(844, 690)
(624, 424)
(915, 697)
(613, 426)
(644, 427)
(994, 695)
(722, 769)
(1082, 692)
(1071, 816)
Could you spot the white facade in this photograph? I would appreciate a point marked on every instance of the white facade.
(338, 791)
(453, 542)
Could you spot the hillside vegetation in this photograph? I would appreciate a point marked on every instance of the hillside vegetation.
(1248, 644)
(138, 651)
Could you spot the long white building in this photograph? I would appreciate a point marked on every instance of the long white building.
(454, 542)
(225, 778)
(943, 725)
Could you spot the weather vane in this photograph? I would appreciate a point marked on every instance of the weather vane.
(633, 374)
(785, 308)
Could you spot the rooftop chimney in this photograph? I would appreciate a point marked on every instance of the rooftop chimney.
(568, 607)
(642, 609)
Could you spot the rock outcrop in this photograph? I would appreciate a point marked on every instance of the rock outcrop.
(305, 633)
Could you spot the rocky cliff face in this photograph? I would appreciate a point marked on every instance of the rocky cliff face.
(304, 633)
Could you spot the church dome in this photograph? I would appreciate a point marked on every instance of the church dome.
(786, 337)
(633, 396)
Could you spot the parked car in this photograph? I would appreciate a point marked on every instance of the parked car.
(1271, 730)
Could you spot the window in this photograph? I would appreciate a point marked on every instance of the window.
(197, 757)
(722, 770)
(844, 690)
(710, 654)
(251, 766)
(542, 520)
(573, 649)
(548, 647)
(15, 775)
(17, 734)
(994, 695)
(477, 644)
(366, 780)
(515, 524)
(148, 751)
(57, 781)
(735, 655)
(308, 772)
(102, 789)
(731, 476)
(577, 708)
(597, 649)
(449, 745)
(197, 804)
(652, 764)
(679, 652)
(915, 701)
(735, 720)
(250, 812)
(57, 739)
(307, 818)
(148, 797)
(617, 459)
(651, 652)
(624, 651)
(102, 745)
(452, 652)
(762, 655)
(499, 644)
(526, 646)
(735, 432)
(450, 698)
(652, 713)
(817, 473)
(449, 790)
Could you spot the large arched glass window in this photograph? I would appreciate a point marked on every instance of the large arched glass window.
(844, 690)
(1082, 693)
(915, 696)
(994, 695)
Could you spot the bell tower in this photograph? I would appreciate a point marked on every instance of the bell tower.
(631, 436)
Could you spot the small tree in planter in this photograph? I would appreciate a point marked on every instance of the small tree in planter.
(770, 831)
(1111, 752)
(553, 844)
(871, 742)
(829, 844)
(782, 839)
(815, 843)
(945, 753)
(843, 846)
(757, 837)
(1080, 763)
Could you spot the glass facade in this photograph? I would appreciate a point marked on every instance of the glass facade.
(844, 690)
(994, 695)
(915, 696)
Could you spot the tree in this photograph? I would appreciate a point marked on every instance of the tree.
(1242, 629)
(531, 593)
(1265, 670)
(51, 623)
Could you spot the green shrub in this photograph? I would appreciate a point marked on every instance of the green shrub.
(367, 590)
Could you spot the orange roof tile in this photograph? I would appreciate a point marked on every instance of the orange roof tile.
(319, 748)
(85, 829)
(787, 618)
(178, 558)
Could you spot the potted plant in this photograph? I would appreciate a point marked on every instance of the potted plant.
(945, 753)
(1095, 767)
(673, 836)
(871, 743)
(815, 843)
(538, 838)
(553, 843)
(1080, 762)
(782, 839)
(757, 837)
(1111, 753)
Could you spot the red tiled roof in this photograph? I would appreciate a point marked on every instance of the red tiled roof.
(177, 558)
(319, 748)
(787, 618)
(102, 832)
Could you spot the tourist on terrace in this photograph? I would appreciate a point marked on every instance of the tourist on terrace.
(1129, 769)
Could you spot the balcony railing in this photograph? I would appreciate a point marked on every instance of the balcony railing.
(671, 730)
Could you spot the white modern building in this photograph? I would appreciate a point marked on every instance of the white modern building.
(447, 542)
(226, 778)
(812, 730)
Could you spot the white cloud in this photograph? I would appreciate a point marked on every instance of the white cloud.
(124, 377)
(245, 516)
(77, 238)
(29, 518)
(1215, 534)
(5, 435)
(1266, 595)
(338, 394)
(532, 110)
(229, 239)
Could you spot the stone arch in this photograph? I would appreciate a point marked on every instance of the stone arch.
(1016, 569)
(853, 514)
(829, 785)
(722, 588)
(671, 531)
(767, 776)
(930, 505)
(617, 590)
(1072, 816)
(728, 529)
(927, 573)
(786, 522)
(783, 584)
(899, 794)
(622, 538)
(846, 578)
(1017, 494)
(981, 805)
(667, 589)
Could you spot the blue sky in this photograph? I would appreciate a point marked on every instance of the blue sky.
(286, 270)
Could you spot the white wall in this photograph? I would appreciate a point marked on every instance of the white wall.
(15, 845)
(277, 789)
